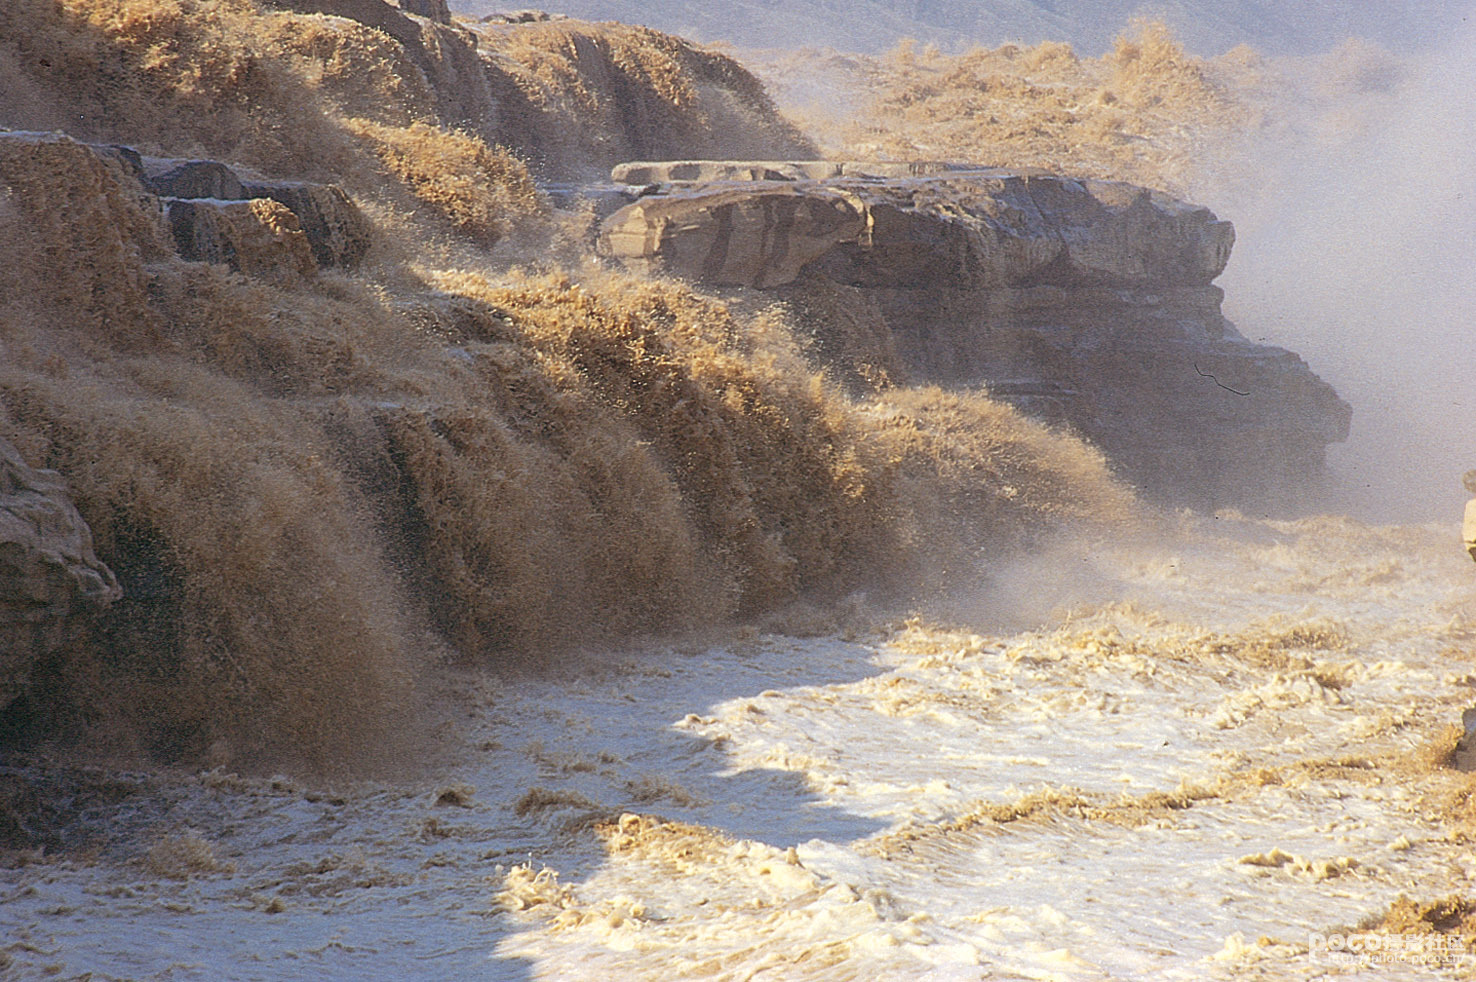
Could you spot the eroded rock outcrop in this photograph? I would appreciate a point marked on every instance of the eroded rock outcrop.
(258, 236)
(668, 171)
(50, 579)
(209, 210)
(445, 53)
(205, 201)
(665, 171)
(170, 178)
(337, 231)
(435, 10)
(738, 224)
(1089, 303)
(734, 236)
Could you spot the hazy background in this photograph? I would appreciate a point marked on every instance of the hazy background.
(1357, 249)
(1355, 206)
(1206, 26)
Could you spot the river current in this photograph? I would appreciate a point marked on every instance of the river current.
(1203, 756)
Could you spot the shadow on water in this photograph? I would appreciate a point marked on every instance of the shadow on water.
(619, 738)
(628, 740)
(229, 877)
(114, 874)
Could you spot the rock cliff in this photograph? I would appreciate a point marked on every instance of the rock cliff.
(50, 579)
(1089, 303)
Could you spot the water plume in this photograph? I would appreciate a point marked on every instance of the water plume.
(1355, 247)
(316, 490)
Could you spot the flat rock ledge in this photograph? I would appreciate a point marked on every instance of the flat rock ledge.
(759, 224)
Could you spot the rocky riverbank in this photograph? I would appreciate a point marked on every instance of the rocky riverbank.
(1086, 303)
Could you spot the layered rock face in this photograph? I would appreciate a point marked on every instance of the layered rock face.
(1088, 303)
(50, 579)
(254, 225)
(264, 228)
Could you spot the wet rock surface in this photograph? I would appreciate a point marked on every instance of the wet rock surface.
(170, 178)
(1088, 303)
(258, 237)
(272, 229)
(204, 200)
(50, 579)
(445, 53)
(337, 232)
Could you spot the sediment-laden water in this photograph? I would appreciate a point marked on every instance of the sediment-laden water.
(1206, 758)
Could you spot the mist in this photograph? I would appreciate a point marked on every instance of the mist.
(1355, 248)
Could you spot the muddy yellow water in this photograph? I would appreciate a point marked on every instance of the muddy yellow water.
(1216, 755)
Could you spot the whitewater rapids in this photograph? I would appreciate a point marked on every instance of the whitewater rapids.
(1199, 757)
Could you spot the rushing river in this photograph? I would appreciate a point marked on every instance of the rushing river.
(1193, 760)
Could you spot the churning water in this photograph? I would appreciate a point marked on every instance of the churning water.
(1206, 757)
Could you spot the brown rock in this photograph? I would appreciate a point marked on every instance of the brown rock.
(50, 579)
(1187, 408)
(205, 203)
(1116, 233)
(336, 229)
(258, 237)
(705, 171)
(206, 228)
(979, 228)
(708, 171)
(733, 236)
(435, 10)
(171, 178)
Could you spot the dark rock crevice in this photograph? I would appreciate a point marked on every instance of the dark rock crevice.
(51, 582)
